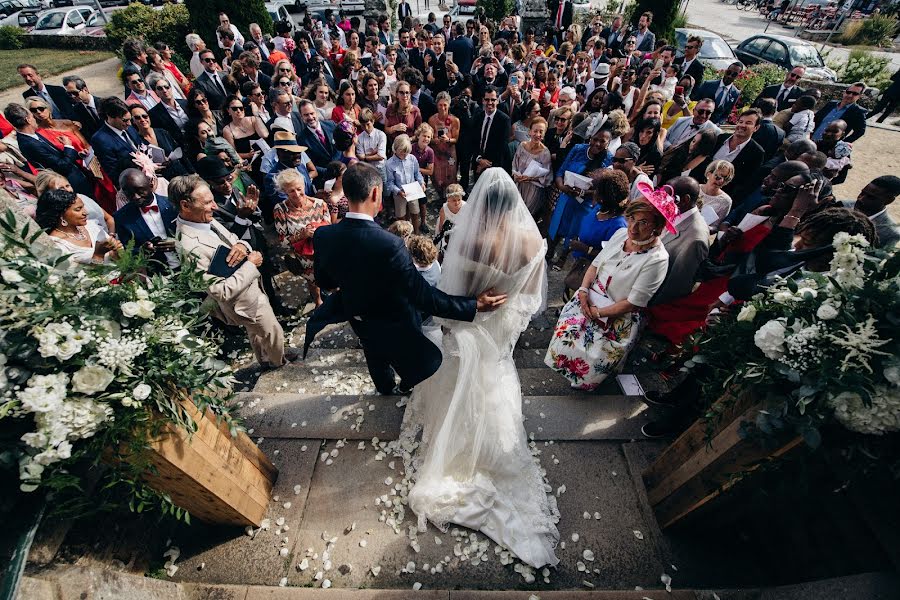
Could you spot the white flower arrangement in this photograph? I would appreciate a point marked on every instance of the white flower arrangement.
(90, 350)
(822, 348)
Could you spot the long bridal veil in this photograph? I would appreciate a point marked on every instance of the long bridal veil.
(470, 460)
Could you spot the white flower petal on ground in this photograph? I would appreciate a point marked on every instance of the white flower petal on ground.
(638, 534)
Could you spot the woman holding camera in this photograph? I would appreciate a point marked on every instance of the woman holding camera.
(446, 133)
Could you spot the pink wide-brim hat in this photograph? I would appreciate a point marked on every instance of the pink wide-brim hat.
(663, 200)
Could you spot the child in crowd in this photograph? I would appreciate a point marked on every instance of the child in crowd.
(402, 229)
(424, 255)
(425, 155)
(449, 214)
(403, 169)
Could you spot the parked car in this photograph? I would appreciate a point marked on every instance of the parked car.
(278, 11)
(62, 21)
(786, 52)
(714, 52)
(95, 26)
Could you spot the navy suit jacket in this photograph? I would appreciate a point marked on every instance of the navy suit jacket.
(708, 89)
(463, 53)
(44, 155)
(89, 125)
(855, 116)
(130, 224)
(215, 95)
(770, 136)
(111, 149)
(378, 282)
(58, 95)
(161, 119)
(320, 154)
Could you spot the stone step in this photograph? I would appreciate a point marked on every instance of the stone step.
(547, 417)
(349, 380)
(348, 357)
(340, 335)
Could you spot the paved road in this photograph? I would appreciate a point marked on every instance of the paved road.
(736, 25)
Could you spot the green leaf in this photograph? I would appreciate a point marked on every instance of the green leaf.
(812, 437)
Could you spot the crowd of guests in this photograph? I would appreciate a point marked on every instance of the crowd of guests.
(624, 155)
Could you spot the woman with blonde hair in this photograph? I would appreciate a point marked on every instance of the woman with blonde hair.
(446, 133)
(403, 169)
(284, 68)
(719, 173)
(402, 117)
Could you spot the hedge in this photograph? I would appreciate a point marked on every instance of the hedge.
(168, 25)
(204, 17)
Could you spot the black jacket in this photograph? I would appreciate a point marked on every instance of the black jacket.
(89, 124)
(214, 94)
(771, 91)
(44, 155)
(496, 147)
(770, 136)
(695, 69)
(745, 164)
(855, 116)
(161, 119)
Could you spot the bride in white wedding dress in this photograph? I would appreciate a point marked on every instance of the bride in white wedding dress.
(473, 466)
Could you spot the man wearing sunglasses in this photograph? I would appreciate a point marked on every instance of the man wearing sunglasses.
(171, 112)
(210, 81)
(784, 93)
(139, 95)
(690, 63)
(84, 105)
(845, 109)
(724, 93)
(687, 127)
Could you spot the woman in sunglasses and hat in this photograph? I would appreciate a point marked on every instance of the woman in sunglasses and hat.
(601, 323)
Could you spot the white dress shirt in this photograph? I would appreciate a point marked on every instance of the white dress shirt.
(360, 216)
(726, 153)
(154, 220)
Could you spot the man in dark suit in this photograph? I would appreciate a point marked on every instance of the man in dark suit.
(251, 72)
(282, 105)
(846, 109)
(784, 93)
(561, 15)
(739, 149)
(85, 107)
(492, 126)
(403, 10)
(769, 135)
(462, 48)
(42, 154)
(170, 113)
(115, 140)
(379, 290)
(265, 67)
(723, 92)
(228, 43)
(646, 39)
(690, 63)
(417, 54)
(54, 95)
(318, 137)
(210, 81)
(491, 77)
(148, 219)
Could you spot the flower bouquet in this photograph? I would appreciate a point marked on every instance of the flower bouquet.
(821, 349)
(94, 361)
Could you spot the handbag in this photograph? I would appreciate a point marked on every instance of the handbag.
(576, 274)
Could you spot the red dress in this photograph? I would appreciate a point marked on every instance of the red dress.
(679, 318)
(104, 190)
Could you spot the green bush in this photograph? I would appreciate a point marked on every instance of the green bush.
(11, 38)
(665, 13)
(862, 65)
(752, 80)
(168, 25)
(877, 30)
(204, 17)
(496, 10)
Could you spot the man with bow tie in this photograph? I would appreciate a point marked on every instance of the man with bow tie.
(148, 219)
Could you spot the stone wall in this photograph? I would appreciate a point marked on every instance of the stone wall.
(834, 91)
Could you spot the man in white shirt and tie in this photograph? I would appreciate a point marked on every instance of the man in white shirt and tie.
(115, 141)
(53, 95)
(148, 218)
(786, 93)
(493, 131)
(84, 105)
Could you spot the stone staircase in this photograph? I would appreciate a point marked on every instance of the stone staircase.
(324, 427)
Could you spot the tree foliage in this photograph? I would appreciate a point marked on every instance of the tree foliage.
(169, 25)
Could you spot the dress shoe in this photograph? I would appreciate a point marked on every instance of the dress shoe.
(655, 398)
(657, 429)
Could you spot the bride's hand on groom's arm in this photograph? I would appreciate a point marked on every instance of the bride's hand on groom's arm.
(489, 300)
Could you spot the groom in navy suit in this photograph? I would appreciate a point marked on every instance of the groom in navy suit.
(380, 291)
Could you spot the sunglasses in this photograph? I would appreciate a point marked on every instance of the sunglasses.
(209, 60)
(848, 92)
(286, 82)
(143, 117)
(37, 109)
(616, 159)
(703, 111)
(138, 80)
(201, 101)
(73, 93)
(794, 76)
(163, 86)
(690, 47)
(285, 69)
(718, 176)
(236, 108)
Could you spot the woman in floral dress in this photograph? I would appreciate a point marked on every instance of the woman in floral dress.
(296, 219)
(446, 128)
(600, 324)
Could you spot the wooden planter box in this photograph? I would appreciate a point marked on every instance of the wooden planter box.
(692, 472)
(216, 477)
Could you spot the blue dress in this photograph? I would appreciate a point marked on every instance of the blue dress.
(567, 216)
(594, 232)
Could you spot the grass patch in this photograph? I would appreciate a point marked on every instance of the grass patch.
(48, 62)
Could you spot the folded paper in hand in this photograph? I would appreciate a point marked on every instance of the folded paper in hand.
(413, 191)
(709, 214)
(158, 155)
(534, 169)
(577, 181)
(219, 267)
(598, 299)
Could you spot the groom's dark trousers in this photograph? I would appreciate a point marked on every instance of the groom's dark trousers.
(381, 293)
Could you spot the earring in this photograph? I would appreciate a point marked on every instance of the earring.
(63, 222)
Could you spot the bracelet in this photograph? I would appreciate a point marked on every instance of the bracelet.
(581, 289)
(796, 220)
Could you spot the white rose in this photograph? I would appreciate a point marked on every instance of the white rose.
(827, 312)
(67, 349)
(91, 379)
(748, 313)
(141, 391)
(11, 275)
(141, 293)
(783, 297)
(770, 339)
(130, 309)
(61, 329)
(802, 292)
(53, 279)
(892, 374)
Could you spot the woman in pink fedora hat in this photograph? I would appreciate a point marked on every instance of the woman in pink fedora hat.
(600, 324)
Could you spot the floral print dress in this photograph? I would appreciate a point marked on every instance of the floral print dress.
(585, 351)
(288, 222)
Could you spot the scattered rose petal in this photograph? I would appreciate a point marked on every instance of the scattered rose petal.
(588, 555)
(667, 581)
(417, 586)
(638, 534)
(575, 537)
(283, 582)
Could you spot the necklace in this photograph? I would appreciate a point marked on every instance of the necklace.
(644, 242)
(78, 236)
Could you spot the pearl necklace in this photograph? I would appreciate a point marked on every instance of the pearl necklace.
(79, 234)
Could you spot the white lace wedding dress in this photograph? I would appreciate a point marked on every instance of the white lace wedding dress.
(473, 465)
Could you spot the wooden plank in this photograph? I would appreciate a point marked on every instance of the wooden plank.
(710, 482)
(691, 441)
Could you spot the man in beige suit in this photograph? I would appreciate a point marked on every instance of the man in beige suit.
(239, 298)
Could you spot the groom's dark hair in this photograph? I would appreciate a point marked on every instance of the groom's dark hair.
(359, 180)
